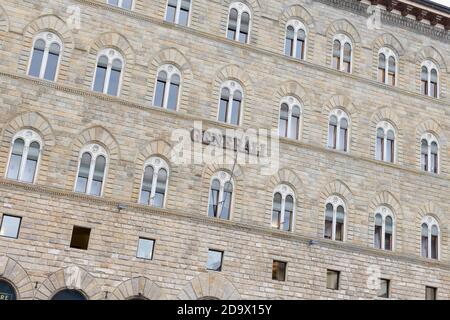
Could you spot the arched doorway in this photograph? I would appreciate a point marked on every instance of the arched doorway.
(7, 291)
(68, 294)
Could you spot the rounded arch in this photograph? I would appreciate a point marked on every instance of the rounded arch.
(97, 134)
(118, 42)
(17, 276)
(73, 278)
(299, 13)
(141, 287)
(390, 116)
(436, 212)
(345, 27)
(241, 76)
(336, 188)
(431, 128)
(209, 285)
(157, 148)
(172, 56)
(344, 103)
(57, 25)
(4, 20)
(430, 53)
(389, 41)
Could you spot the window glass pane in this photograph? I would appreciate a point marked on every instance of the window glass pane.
(289, 43)
(184, 13)
(114, 79)
(97, 179)
(160, 89)
(388, 233)
(430, 293)
(328, 221)
(227, 196)
(171, 10)
(145, 248)
(276, 212)
(173, 93)
(288, 212)
(236, 108)
(160, 189)
(332, 132)
(223, 108)
(332, 280)
(83, 173)
(300, 50)
(336, 54)
(52, 62)
(10, 226)
(343, 134)
(424, 241)
(214, 198)
(147, 185)
(340, 217)
(31, 163)
(16, 159)
(279, 270)
(100, 74)
(127, 4)
(382, 61)
(113, 2)
(69, 295)
(284, 115)
(232, 24)
(36, 60)
(7, 291)
(424, 155)
(347, 57)
(245, 24)
(424, 74)
(434, 157)
(214, 260)
(384, 288)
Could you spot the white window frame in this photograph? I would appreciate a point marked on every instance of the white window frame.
(120, 3)
(430, 138)
(384, 212)
(297, 25)
(339, 114)
(388, 53)
(335, 201)
(49, 38)
(291, 102)
(386, 126)
(232, 86)
(95, 150)
(285, 191)
(157, 164)
(430, 66)
(28, 136)
(343, 39)
(241, 8)
(223, 178)
(430, 222)
(112, 55)
(177, 13)
(170, 70)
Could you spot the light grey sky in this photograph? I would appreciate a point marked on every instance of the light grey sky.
(444, 2)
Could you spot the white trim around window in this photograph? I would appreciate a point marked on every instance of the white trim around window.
(241, 8)
(113, 58)
(148, 196)
(51, 44)
(94, 151)
(298, 27)
(343, 40)
(385, 213)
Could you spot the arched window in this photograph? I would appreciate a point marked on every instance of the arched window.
(7, 291)
(384, 229)
(178, 11)
(24, 156)
(91, 170)
(167, 87)
(387, 66)
(69, 294)
(430, 238)
(290, 112)
(221, 196)
(283, 208)
(342, 53)
(154, 182)
(45, 56)
(295, 43)
(429, 153)
(125, 4)
(108, 73)
(385, 144)
(334, 219)
(230, 105)
(429, 79)
(239, 22)
(338, 126)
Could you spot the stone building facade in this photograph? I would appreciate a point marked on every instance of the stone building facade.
(68, 115)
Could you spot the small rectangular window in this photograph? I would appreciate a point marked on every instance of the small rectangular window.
(333, 279)
(80, 238)
(10, 226)
(384, 288)
(430, 293)
(214, 260)
(279, 270)
(145, 248)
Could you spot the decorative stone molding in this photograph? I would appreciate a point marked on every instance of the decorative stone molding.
(337, 188)
(16, 275)
(209, 285)
(120, 43)
(53, 24)
(73, 278)
(138, 287)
